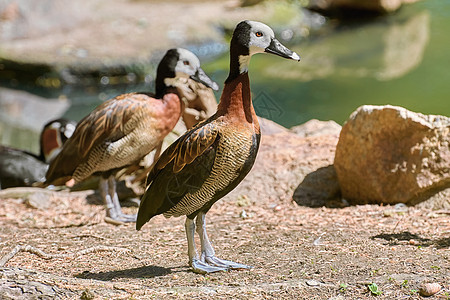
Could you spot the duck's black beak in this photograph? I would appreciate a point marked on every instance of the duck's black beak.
(201, 76)
(277, 48)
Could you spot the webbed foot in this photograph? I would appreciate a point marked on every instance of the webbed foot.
(201, 267)
(223, 263)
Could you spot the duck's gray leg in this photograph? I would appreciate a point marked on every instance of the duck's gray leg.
(208, 255)
(197, 265)
(111, 199)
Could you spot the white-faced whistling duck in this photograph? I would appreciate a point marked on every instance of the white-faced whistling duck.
(22, 168)
(210, 160)
(122, 130)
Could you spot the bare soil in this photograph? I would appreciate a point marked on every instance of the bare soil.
(297, 252)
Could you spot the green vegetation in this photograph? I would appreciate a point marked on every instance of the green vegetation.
(343, 287)
(374, 289)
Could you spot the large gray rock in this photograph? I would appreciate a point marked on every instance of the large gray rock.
(23, 115)
(54, 42)
(21, 19)
(315, 127)
(387, 154)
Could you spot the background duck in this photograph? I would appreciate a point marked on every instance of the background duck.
(201, 101)
(122, 130)
(22, 168)
(200, 104)
(210, 160)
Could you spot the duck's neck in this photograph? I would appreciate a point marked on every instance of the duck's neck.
(50, 142)
(236, 100)
(160, 88)
(239, 60)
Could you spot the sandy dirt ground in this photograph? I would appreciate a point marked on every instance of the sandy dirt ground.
(297, 252)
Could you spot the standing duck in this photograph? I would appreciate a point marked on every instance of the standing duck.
(210, 160)
(22, 168)
(122, 130)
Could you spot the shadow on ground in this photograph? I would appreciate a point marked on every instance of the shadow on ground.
(394, 239)
(319, 188)
(141, 272)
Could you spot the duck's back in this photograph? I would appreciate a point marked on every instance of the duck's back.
(19, 168)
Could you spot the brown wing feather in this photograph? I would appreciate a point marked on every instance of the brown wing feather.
(186, 148)
(105, 124)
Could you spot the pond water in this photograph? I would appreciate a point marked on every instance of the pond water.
(402, 59)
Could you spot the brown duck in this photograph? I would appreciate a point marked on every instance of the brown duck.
(121, 131)
(210, 160)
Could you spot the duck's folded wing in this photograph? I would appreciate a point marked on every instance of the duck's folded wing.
(180, 170)
(107, 123)
(186, 148)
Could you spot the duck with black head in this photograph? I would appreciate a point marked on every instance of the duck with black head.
(121, 131)
(22, 168)
(210, 160)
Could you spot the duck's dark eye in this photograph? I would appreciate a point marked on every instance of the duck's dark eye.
(186, 63)
(259, 34)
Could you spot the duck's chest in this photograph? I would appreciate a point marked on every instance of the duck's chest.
(234, 156)
(237, 149)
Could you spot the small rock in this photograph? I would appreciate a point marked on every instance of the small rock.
(399, 208)
(364, 282)
(429, 289)
(318, 241)
(413, 242)
(87, 295)
(277, 208)
(38, 200)
(388, 213)
(312, 282)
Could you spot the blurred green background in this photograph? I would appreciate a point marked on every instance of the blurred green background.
(401, 59)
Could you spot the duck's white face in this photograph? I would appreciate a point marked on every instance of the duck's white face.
(261, 39)
(261, 36)
(187, 64)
